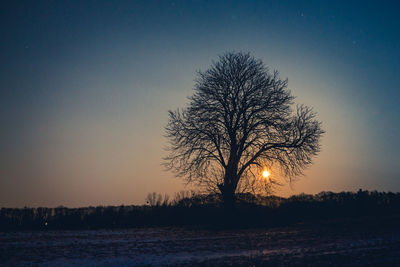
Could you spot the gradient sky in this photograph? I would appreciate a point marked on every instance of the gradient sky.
(86, 85)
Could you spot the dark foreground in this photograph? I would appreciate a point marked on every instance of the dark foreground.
(361, 242)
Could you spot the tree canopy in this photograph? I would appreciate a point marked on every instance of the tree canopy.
(240, 121)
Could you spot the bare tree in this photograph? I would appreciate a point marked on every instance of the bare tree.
(239, 121)
(157, 200)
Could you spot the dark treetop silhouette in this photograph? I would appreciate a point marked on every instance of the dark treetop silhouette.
(239, 121)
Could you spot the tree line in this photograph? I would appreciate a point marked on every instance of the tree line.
(190, 209)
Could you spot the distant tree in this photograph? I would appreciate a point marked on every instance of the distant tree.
(182, 195)
(156, 200)
(239, 121)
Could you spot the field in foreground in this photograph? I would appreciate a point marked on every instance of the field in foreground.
(368, 241)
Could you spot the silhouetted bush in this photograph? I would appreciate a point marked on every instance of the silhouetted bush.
(189, 209)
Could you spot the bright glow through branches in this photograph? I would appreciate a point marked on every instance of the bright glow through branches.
(266, 174)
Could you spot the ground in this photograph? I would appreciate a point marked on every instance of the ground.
(347, 243)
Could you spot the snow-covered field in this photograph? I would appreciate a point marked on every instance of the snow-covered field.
(300, 245)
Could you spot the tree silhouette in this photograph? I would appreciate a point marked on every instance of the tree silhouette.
(239, 121)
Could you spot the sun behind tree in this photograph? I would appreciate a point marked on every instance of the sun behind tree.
(239, 120)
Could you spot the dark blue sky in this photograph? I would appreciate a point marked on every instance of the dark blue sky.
(86, 85)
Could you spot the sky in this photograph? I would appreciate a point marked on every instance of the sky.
(86, 86)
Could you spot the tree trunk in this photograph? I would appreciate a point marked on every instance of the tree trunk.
(228, 197)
